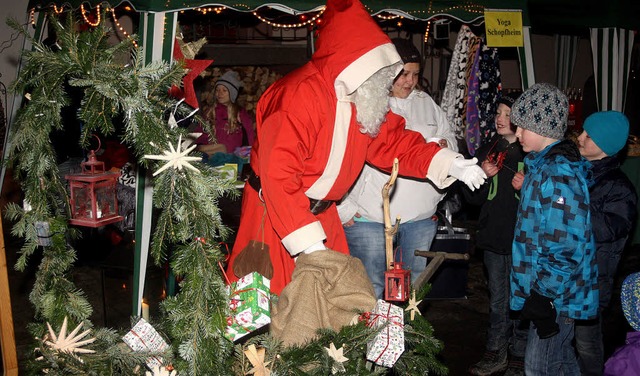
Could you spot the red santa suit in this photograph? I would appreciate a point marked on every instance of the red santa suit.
(309, 143)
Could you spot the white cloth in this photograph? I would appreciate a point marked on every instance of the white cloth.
(410, 199)
(319, 246)
(468, 172)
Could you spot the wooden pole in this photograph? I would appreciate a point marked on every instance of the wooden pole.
(9, 357)
(437, 258)
(389, 230)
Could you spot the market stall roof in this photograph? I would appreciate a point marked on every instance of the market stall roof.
(466, 11)
(553, 16)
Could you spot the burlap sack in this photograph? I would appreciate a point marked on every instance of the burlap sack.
(326, 290)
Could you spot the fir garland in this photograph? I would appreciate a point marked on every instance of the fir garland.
(194, 320)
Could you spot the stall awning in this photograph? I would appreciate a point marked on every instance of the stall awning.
(465, 11)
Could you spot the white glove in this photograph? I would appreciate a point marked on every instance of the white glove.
(468, 172)
(319, 246)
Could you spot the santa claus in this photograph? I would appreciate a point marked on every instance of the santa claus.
(316, 128)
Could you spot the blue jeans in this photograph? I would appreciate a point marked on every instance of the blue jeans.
(590, 347)
(366, 242)
(553, 356)
(503, 332)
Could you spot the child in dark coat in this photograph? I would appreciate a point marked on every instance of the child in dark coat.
(613, 212)
(501, 159)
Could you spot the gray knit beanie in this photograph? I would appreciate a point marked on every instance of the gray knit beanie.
(231, 81)
(542, 109)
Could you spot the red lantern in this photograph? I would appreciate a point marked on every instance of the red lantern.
(93, 195)
(397, 282)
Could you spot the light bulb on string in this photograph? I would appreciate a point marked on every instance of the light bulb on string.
(119, 26)
(426, 32)
(290, 26)
(86, 19)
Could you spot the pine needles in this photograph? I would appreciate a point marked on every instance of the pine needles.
(188, 226)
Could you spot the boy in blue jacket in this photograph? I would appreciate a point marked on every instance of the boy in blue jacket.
(613, 212)
(554, 273)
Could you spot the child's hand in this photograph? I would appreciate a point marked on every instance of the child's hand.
(517, 180)
(489, 169)
(352, 221)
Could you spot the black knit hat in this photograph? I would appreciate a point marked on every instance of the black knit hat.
(407, 51)
(508, 99)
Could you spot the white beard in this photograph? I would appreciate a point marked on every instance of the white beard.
(372, 100)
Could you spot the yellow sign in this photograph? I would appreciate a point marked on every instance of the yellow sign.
(503, 28)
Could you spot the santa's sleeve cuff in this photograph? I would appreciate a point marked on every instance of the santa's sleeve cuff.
(438, 171)
(303, 238)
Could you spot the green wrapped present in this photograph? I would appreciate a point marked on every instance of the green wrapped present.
(249, 304)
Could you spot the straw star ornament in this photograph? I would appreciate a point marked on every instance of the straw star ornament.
(71, 343)
(256, 357)
(413, 305)
(176, 158)
(338, 358)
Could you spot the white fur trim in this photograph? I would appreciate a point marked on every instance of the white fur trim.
(303, 238)
(346, 83)
(323, 185)
(438, 171)
(364, 67)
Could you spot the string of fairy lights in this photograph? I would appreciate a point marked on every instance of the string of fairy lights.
(305, 19)
(87, 17)
(426, 32)
(216, 10)
(87, 20)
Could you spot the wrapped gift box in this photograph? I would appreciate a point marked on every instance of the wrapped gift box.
(387, 346)
(143, 337)
(249, 304)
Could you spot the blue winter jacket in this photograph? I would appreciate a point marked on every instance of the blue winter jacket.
(553, 247)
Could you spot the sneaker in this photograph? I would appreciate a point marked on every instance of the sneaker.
(515, 366)
(491, 362)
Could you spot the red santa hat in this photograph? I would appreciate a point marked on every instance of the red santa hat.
(348, 34)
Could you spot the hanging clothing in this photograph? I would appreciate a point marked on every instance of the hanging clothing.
(472, 129)
(490, 85)
(456, 81)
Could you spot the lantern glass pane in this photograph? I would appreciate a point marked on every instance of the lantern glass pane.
(81, 200)
(106, 200)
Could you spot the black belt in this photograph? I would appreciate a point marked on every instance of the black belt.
(316, 206)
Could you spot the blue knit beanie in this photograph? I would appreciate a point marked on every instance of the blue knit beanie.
(630, 297)
(608, 129)
(542, 109)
